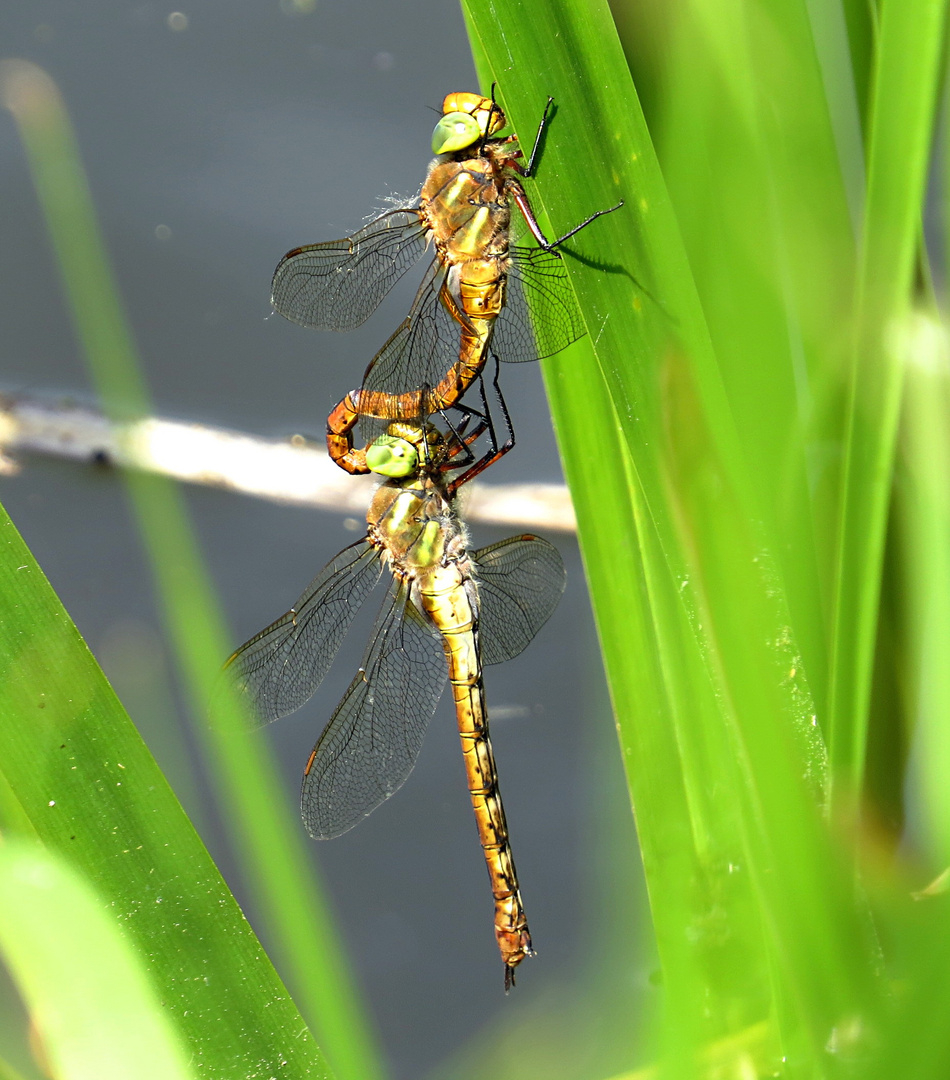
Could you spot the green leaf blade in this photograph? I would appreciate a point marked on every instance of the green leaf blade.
(93, 794)
(87, 990)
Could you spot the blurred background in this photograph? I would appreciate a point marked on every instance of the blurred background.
(215, 138)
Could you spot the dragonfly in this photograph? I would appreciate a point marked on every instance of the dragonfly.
(447, 612)
(472, 298)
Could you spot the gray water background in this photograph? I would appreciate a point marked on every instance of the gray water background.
(210, 151)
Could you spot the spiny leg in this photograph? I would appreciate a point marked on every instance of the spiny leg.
(528, 170)
(494, 452)
(517, 192)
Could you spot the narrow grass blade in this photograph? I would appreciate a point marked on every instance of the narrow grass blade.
(904, 90)
(924, 524)
(269, 844)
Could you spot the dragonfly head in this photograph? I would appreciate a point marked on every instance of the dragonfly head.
(466, 119)
(398, 453)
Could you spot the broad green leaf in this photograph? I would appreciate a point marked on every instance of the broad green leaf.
(92, 793)
(699, 605)
(97, 1013)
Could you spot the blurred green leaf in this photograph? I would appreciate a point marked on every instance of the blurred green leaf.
(98, 1016)
(903, 100)
(268, 841)
(92, 793)
(924, 524)
(690, 422)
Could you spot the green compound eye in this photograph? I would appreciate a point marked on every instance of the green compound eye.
(454, 132)
(392, 457)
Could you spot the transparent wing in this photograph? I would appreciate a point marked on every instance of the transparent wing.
(371, 743)
(520, 582)
(417, 356)
(425, 347)
(337, 285)
(554, 320)
(281, 667)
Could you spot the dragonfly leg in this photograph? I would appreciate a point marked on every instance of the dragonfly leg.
(518, 193)
(510, 440)
(528, 170)
(459, 447)
(494, 452)
(462, 438)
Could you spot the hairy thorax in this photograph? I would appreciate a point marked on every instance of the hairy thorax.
(416, 527)
(466, 208)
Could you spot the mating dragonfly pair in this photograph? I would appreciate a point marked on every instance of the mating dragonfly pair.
(449, 611)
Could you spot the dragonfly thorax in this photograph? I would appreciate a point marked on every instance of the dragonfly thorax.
(415, 525)
(466, 209)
